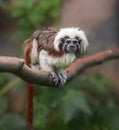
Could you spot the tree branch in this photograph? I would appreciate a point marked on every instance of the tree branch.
(17, 67)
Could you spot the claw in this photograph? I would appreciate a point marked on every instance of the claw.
(58, 78)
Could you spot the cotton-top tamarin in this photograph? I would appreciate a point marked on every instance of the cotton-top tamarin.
(52, 50)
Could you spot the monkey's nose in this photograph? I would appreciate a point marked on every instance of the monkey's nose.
(72, 48)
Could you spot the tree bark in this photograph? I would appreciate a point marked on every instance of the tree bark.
(17, 67)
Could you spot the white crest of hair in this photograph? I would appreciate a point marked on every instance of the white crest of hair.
(72, 33)
(47, 62)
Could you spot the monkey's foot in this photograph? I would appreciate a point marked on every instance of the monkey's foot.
(35, 67)
(58, 78)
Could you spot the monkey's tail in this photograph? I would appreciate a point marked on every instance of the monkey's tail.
(29, 94)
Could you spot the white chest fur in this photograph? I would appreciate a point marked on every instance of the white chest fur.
(47, 62)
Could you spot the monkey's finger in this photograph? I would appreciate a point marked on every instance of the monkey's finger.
(55, 78)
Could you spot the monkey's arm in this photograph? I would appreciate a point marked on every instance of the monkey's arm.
(52, 64)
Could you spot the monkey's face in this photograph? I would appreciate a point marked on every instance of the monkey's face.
(70, 45)
(71, 40)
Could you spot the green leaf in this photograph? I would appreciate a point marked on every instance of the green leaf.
(17, 12)
(42, 113)
(11, 122)
(54, 14)
(2, 79)
(3, 105)
(40, 119)
(112, 119)
(73, 103)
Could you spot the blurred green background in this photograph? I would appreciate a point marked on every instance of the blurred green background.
(90, 100)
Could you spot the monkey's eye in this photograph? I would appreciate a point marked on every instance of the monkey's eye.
(64, 39)
(78, 39)
(68, 41)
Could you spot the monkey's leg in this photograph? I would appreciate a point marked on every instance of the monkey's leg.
(58, 77)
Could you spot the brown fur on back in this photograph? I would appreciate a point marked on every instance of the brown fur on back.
(45, 38)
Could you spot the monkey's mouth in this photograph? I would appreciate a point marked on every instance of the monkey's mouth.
(71, 48)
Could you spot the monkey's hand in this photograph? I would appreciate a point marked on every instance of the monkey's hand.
(58, 78)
